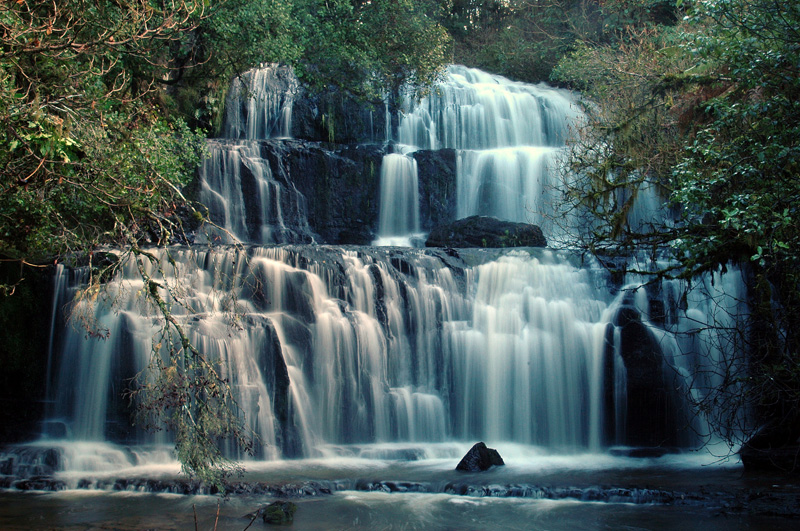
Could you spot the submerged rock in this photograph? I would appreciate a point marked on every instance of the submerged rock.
(639, 452)
(487, 232)
(279, 513)
(479, 458)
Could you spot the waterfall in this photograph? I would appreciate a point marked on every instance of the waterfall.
(509, 136)
(260, 102)
(399, 205)
(530, 361)
(366, 346)
(328, 347)
(475, 110)
(515, 184)
(238, 187)
(245, 200)
(330, 350)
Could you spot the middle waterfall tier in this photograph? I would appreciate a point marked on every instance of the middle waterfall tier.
(399, 206)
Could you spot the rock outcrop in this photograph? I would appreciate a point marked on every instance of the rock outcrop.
(486, 232)
(279, 513)
(437, 187)
(479, 458)
(656, 415)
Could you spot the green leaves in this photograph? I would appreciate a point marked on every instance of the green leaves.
(83, 158)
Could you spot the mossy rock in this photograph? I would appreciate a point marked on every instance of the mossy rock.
(279, 513)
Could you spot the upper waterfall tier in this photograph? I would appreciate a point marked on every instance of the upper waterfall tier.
(259, 104)
(471, 109)
(478, 144)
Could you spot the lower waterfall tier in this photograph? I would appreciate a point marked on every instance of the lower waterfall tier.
(359, 345)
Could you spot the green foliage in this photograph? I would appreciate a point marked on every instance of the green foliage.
(740, 181)
(520, 39)
(525, 39)
(740, 174)
(632, 138)
(371, 48)
(87, 158)
(368, 49)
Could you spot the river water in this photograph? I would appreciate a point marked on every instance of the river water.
(534, 490)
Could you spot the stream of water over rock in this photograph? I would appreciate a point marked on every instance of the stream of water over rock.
(370, 370)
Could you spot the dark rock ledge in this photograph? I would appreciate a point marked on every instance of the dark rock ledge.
(776, 501)
(486, 232)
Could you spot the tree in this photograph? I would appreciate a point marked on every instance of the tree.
(87, 156)
(739, 182)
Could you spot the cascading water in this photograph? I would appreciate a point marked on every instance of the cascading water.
(472, 109)
(509, 137)
(365, 347)
(237, 185)
(335, 347)
(336, 350)
(245, 200)
(260, 104)
(399, 206)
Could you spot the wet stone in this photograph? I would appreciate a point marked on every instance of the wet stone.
(480, 458)
(279, 513)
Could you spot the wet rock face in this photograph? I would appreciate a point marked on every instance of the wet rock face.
(774, 447)
(336, 117)
(340, 186)
(437, 187)
(655, 414)
(486, 232)
(479, 458)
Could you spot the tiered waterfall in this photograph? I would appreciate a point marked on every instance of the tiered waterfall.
(331, 349)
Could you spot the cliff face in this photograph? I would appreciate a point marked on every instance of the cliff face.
(24, 335)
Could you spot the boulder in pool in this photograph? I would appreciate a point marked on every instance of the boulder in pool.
(480, 458)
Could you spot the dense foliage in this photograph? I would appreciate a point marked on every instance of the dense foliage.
(87, 155)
